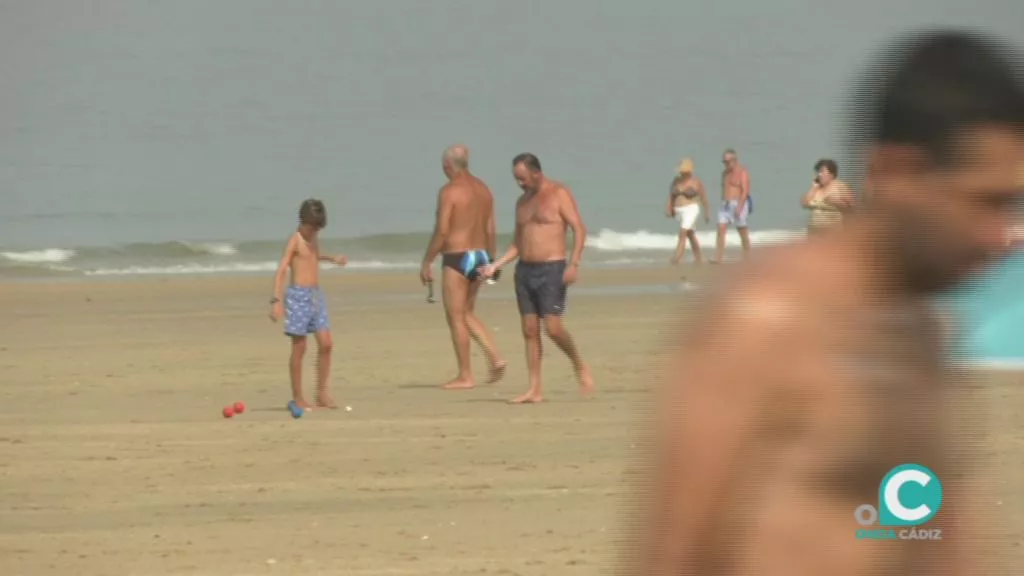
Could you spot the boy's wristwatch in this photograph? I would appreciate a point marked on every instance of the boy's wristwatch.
(274, 300)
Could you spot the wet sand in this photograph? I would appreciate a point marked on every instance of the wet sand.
(115, 458)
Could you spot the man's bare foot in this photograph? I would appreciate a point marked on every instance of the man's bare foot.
(460, 384)
(528, 398)
(586, 381)
(301, 403)
(324, 400)
(497, 372)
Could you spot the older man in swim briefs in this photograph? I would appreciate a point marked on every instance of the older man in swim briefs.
(465, 236)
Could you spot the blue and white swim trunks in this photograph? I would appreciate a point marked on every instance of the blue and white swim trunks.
(727, 213)
(305, 311)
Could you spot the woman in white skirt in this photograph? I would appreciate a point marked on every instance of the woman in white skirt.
(686, 198)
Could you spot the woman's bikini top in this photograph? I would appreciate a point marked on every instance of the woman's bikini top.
(688, 192)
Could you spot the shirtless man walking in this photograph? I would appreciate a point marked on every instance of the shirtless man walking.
(544, 213)
(465, 235)
(735, 204)
(766, 447)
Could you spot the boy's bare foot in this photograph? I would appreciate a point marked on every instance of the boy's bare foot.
(497, 372)
(528, 398)
(301, 403)
(324, 400)
(586, 381)
(460, 384)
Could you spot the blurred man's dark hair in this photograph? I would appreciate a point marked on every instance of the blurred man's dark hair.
(929, 88)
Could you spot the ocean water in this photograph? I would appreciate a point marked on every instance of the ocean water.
(160, 137)
(379, 252)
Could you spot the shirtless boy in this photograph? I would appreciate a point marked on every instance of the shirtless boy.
(735, 204)
(766, 446)
(465, 235)
(544, 213)
(302, 305)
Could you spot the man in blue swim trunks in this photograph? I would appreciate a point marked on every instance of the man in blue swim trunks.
(735, 204)
(465, 236)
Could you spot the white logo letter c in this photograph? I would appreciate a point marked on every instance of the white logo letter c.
(892, 495)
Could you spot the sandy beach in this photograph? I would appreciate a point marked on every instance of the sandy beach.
(115, 458)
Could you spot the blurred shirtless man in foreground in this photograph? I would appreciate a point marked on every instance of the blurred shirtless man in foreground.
(544, 213)
(766, 446)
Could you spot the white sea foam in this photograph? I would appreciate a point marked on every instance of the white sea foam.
(212, 248)
(43, 256)
(611, 241)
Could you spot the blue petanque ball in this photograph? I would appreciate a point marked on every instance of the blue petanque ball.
(295, 409)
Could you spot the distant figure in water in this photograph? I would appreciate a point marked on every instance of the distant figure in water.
(828, 198)
(686, 199)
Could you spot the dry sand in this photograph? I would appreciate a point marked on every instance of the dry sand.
(115, 459)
